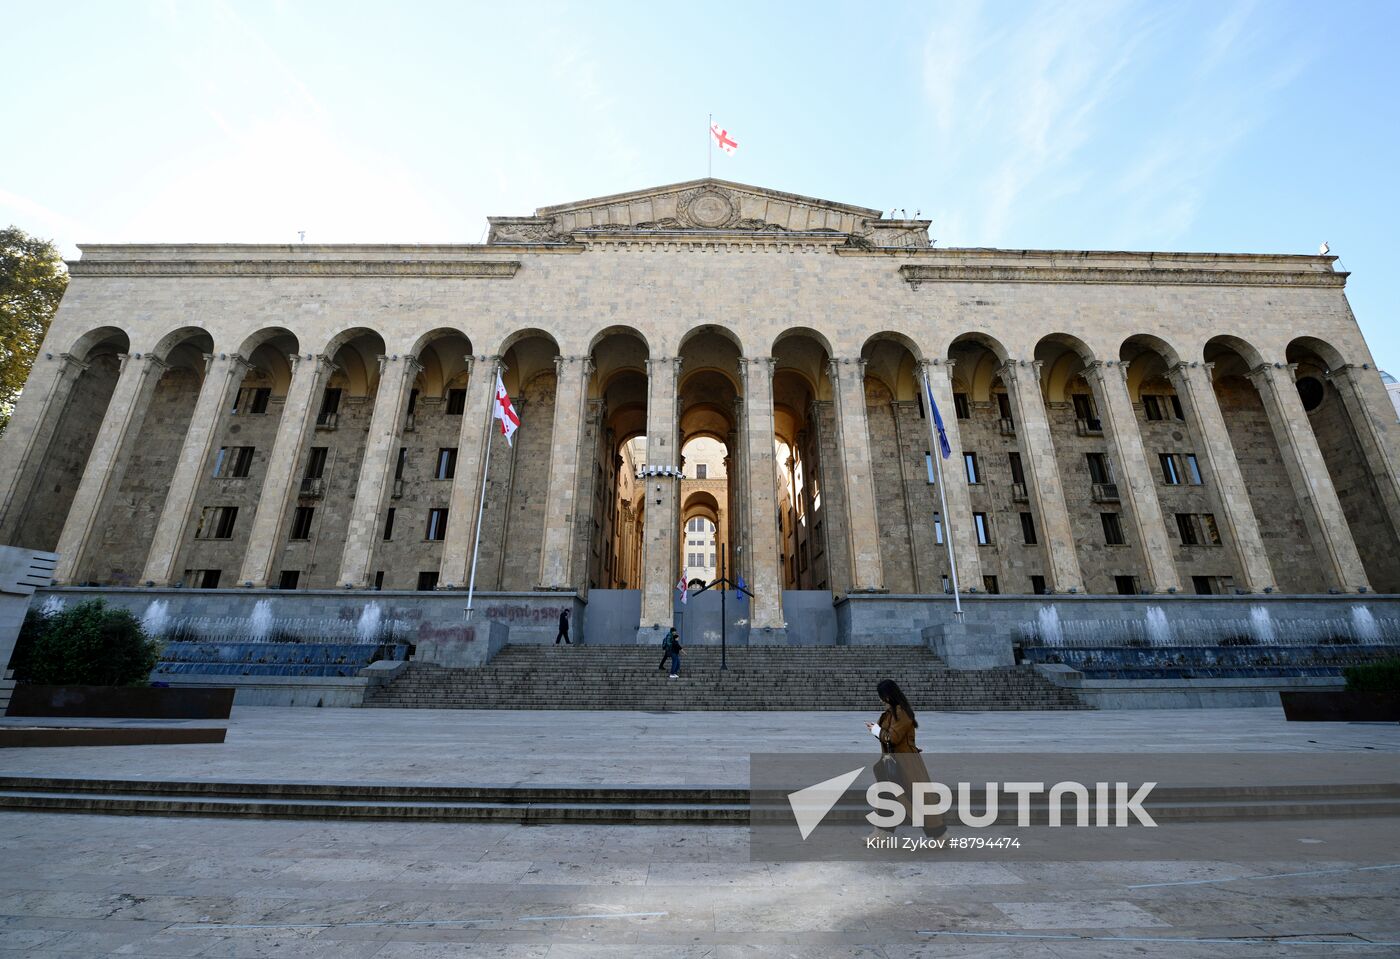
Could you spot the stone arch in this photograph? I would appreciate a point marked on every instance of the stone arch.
(103, 339)
(1149, 359)
(355, 352)
(442, 354)
(978, 358)
(128, 516)
(618, 393)
(45, 492)
(619, 330)
(1333, 395)
(893, 359)
(1272, 494)
(1063, 358)
(812, 543)
(898, 436)
(724, 332)
(433, 335)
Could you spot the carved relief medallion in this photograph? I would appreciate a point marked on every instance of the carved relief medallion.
(708, 209)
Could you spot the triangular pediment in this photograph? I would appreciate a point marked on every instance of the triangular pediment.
(696, 206)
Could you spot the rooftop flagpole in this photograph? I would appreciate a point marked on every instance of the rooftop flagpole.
(709, 147)
(937, 454)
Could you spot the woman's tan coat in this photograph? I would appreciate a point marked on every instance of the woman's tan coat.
(897, 737)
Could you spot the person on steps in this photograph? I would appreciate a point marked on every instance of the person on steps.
(900, 759)
(675, 655)
(563, 629)
(666, 648)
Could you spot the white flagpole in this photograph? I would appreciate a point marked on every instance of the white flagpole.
(481, 500)
(710, 147)
(937, 454)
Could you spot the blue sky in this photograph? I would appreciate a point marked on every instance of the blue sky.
(1257, 127)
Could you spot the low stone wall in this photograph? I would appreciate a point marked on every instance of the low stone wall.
(881, 618)
(327, 691)
(404, 616)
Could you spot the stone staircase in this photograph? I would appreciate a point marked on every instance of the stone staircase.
(757, 678)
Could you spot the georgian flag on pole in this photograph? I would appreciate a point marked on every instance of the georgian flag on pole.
(681, 587)
(722, 138)
(503, 411)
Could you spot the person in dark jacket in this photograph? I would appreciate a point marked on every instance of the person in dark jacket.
(666, 647)
(902, 761)
(563, 629)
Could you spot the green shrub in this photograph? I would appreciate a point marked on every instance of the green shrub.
(1382, 676)
(87, 644)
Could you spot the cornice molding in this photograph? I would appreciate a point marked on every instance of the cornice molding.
(917, 274)
(502, 269)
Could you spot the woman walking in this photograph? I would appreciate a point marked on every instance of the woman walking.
(900, 759)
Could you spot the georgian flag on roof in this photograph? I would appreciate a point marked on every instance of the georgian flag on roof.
(504, 411)
(726, 143)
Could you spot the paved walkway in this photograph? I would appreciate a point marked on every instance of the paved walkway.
(92, 886)
(629, 748)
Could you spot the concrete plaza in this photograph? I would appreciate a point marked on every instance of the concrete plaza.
(87, 885)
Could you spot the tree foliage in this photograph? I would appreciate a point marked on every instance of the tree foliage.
(88, 644)
(32, 281)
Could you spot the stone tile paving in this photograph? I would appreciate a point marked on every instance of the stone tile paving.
(96, 886)
(469, 746)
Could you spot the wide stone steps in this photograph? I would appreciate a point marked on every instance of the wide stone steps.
(757, 678)
(658, 804)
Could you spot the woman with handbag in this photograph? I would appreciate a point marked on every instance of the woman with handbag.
(900, 759)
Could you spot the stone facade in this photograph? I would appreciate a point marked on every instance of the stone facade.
(1118, 422)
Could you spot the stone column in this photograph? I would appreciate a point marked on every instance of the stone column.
(661, 522)
(1307, 470)
(374, 484)
(223, 375)
(1046, 493)
(853, 435)
(570, 401)
(1353, 383)
(958, 523)
(140, 372)
(1138, 487)
(294, 432)
(476, 431)
(1206, 425)
(738, 496)
(761, 482)
(31, 429)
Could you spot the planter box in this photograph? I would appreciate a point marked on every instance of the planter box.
(122, 702)
(1341, 707)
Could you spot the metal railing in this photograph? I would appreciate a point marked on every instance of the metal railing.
(1105, 492)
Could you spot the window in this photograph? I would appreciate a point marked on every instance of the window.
(1084, 409)
(437, 524)
(251, 401)
(1003, 406)
(970, 461)
(1202, 585)
(402, 462)
(947, 584)
(446, 463)
(233, 461)
(1169, 474)
(330, 405)
(301, 522)
(1162, 407)
(1211, 531)
(801, 557)
(961, 407)
(207, 578)
(216, 522)
(712, 560)
(928, 466)
(288, 578)
(412, 402)
(984, 529)
(1098, 468)
(1127, 585)
(379, 579)
(316, 462)
(1112, 529)
(1038, 585)
(1193, 469)
(1186, 529)
(1028, 529)
(389, 524)
(456, 402)
(695, 559)
(1018, 473)
(427, 580)
(702, 471)
(1152, 407)
(938, 528)
(1177, 414)
(989, 585)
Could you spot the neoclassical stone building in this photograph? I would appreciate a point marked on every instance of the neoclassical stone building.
(317, 417)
